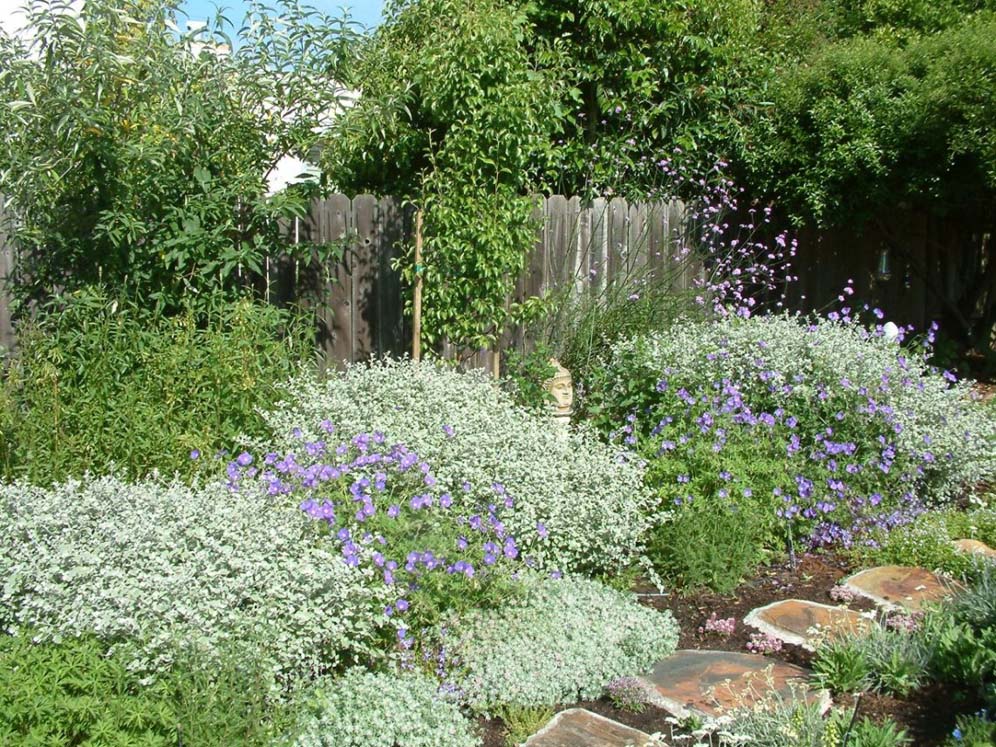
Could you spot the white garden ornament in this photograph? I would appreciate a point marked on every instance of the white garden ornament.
(561, 388)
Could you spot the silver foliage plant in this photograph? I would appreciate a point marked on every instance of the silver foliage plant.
(562, 641)
(588, 496)
(369, 709)
(935, 412)
(166, 564)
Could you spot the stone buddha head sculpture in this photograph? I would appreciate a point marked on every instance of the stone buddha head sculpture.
(561, 389)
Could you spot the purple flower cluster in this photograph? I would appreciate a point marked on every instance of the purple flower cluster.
(629, 694)
(743, 273)
(740, 267)
(842, 594)
(379, 502)
(904, 623)
(823, 456)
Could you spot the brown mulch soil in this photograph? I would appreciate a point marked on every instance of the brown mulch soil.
(811, 580)
(926, 715)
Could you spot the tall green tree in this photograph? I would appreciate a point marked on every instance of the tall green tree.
(455, 116)
(135, 155)
(645, 79)
(469, 105)
(887, 112)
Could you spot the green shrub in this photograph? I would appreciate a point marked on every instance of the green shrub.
(709, 542)
(960, 637)
(832, 431)
(525, 375)
(927, 542)
(367, 709)
(590, 499)
(979, 523)
(964, 658)
(841, 666)
(104, 385)
(774, 721)
(976, 605)
(151, 564)
(72, 692)
(521, 722)
(973, 731)
(134, 160)
(867, 733)
(562, 641)
(954, 643)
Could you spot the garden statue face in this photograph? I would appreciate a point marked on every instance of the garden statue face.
(560, 387)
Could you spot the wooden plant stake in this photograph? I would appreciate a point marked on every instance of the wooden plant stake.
(417, 301)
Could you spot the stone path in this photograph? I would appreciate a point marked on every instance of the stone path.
(794, 620)
(702, 683)
(580, 728)
(974, 547)
(896, 586)
(706, 683)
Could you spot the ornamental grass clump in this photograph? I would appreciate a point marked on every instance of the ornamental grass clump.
(717, 261)
(370, 709)
(824, 429)
(381, 506)
(591, 502)
(149, 566)
(562, 640)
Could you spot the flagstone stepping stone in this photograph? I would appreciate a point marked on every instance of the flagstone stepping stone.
(895, 586)
(704, 683)
(793, 620)
(974, 547)
(578, 727)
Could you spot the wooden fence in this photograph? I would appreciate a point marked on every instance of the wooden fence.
(587, 245)
(360, 298)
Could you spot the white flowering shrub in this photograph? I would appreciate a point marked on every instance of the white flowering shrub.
(562, 641)
(834, 371)
(158, 564)
(589, 499)
(366, 709)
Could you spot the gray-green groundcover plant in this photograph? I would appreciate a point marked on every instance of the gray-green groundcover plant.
(157, 564)
(589, 498)
(562, 641)
(371, 709)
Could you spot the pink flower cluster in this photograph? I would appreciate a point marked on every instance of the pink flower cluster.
(842, 594)
(723, 627)
(762, 643)
(904, 623)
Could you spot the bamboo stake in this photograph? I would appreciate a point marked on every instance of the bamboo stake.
(417, 301)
